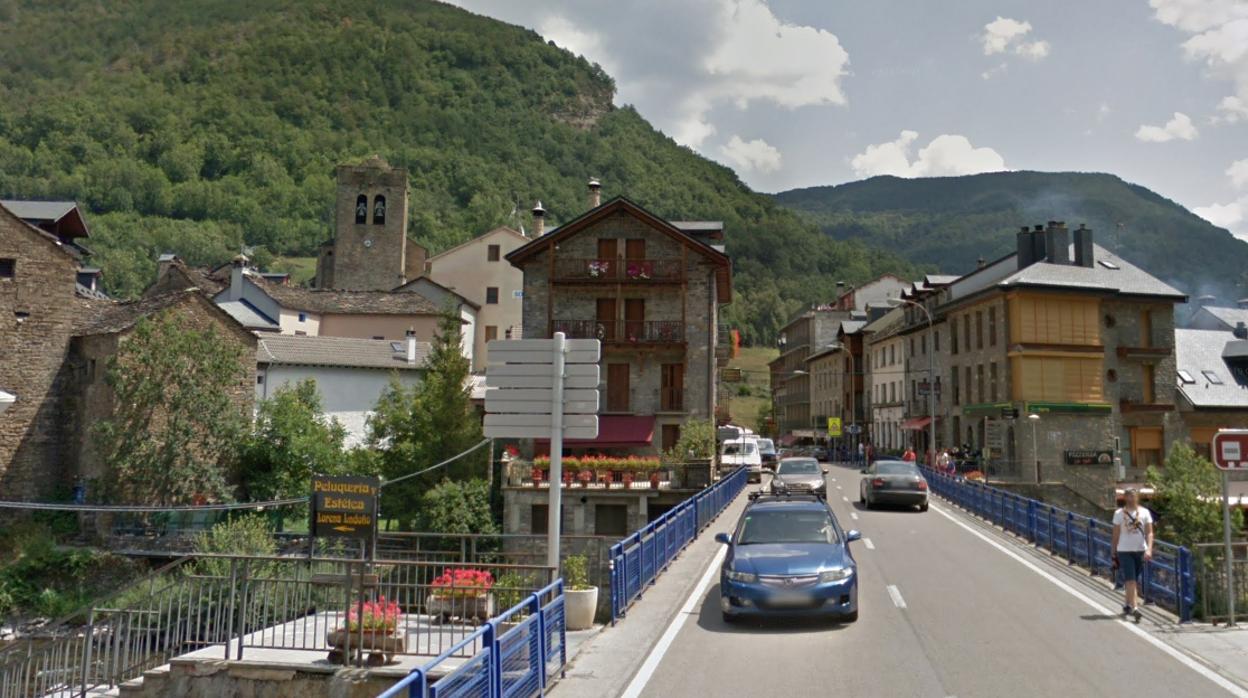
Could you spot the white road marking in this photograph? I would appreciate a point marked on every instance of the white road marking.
(867, 542)
(653, 659)
(843, 498)
(1182, 658)
(853, 515)
(838, 487)
(896, 596)
(833, 479)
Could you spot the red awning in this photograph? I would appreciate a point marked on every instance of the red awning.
(915, 424)
(617, 431)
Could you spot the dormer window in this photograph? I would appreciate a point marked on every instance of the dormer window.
(379, 210)
(361, 209)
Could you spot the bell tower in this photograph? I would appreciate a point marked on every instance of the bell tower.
(370, 247)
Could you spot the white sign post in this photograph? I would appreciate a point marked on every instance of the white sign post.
(537, 388)
(1230, 453)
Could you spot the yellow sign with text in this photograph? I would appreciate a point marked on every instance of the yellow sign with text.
(834, 427)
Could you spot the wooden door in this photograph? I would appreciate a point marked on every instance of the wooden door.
(672, 390)
(635, 248)
(605, 317)
(617, 387)
(635, 319)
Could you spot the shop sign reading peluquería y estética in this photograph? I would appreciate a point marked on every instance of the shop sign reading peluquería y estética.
(344, 506)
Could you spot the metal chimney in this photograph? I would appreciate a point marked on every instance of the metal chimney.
(595, 192)
(1241, 330)
(411, 347)
(539, 220)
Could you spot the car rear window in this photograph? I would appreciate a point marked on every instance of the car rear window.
(896, 469)
(792, 526)
(738, 449)
(805, 466)
(766, 446)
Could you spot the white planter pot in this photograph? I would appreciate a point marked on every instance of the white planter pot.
(579, 608)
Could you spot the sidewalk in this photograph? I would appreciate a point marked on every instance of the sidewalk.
(607, 662)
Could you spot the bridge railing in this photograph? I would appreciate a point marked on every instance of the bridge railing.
(1168, 579)
(638, 559)
(518, 653)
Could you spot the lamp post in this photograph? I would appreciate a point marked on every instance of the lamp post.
(931, 371)
(1034, 418)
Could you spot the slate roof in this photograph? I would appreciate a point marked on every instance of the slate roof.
(331, 301)
(109, 317)
(1230, 316)
(39, 210)
(1126, 279)
(1196, 351)
(345, 352)
(852, 326)
(249, 316)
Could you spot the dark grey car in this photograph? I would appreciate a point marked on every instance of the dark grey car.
(799, 475)
(893, 482)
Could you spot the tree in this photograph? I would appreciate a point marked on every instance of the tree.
(457, 507)
(1188, 497)
(418, 427)
(175, 427)
(696, 442)
(290, 441)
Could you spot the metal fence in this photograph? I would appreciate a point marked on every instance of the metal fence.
(517, 654)
(1168, 579)
(638, 559)
(223, 605)
(1211, 575)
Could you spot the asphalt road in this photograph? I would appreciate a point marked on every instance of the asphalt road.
(975, 622)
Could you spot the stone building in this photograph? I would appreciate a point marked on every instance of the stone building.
(884, 367)
(651, 290)
(1212, 372)
(927, 351)
(370, 250)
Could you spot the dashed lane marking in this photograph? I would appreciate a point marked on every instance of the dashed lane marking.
(867, 542)
(845, 498)
(896, 596)
(853, 515)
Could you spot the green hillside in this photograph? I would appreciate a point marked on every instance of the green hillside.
(949, 222)
(199, 125)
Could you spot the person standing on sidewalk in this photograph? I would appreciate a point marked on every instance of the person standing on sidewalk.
(1133, 546)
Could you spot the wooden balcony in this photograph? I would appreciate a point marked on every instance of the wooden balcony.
(630, 332)
(630, 271)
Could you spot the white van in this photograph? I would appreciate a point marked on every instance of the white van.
(737, 452)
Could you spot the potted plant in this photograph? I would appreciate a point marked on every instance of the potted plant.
(370, 626)
(627, 479)
(462, 593)
(580, 598)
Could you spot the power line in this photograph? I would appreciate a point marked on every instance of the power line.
(435, 467)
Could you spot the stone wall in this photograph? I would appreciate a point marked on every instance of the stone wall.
(369, 256)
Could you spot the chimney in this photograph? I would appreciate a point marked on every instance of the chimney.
(411, 347)
(539, 220)
(1026, 250)
(1206, 300)
(238, 268)
(163, 263)
(1241, 330)
(1057, 243)
(1242, 302)
(1084, 256)
(1038, 251)
(595, 192)
(980, 263)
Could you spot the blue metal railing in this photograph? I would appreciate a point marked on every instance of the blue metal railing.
(518, 662)
(1168, 579)
(638, 559)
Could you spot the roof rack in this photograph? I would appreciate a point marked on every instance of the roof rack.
(787, 496)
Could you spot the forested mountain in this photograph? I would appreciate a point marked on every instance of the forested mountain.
(196, 126)
(948, 222)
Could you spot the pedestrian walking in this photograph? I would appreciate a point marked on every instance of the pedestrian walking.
(908, 456)
(1133, 546)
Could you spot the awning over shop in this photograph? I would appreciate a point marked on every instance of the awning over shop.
(619, 431)
(915, 424)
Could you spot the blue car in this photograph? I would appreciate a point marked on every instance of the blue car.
(789, 557)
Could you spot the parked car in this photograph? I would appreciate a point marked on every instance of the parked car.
(737, 452)
(893, 482)
(767, 451)
(800, 475)
(788, 556)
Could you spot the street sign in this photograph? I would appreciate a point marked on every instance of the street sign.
(578, 376)
(853, 429)
(834, 427)
(1009, 413)
(994, 435)
(1090, 457)
(538, 351)
(344, 506)
(538, 401)
(1230, 449)
(730, 375)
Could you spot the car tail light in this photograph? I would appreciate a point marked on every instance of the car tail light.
(922, 484)
(878, 482)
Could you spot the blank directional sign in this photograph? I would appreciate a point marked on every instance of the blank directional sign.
(522, 389)
(541, 351)
(575, 376)
(521, 426)
(538, 401)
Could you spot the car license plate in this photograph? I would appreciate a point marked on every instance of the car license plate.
(790, 599)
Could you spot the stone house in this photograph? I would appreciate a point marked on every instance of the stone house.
(1212, 386)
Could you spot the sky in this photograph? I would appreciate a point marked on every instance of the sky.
(798, 93)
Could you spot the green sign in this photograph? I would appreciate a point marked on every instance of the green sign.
(344, 506)
(986, 409)
(1075, 407)
(834, 427)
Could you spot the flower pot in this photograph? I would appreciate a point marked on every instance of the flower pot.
(444, 608)
(381, 645)
(579, 607)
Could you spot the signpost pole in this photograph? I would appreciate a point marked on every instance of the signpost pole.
(1226, 539)
(556, 455)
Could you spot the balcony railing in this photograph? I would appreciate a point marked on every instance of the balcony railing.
(624, 332)
(617, 270)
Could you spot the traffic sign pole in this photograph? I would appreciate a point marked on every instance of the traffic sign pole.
(553, 512)
(1226, 540)
(1230, 452)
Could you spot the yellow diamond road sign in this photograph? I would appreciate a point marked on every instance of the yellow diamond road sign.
(834, 426)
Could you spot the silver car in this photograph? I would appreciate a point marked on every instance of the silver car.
(799, 475)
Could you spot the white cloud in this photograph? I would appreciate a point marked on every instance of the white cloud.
(1005, 35)
(945, 155)
(582, 42)
(1180, 127)
(1219, 31)
(994, 71)
(1232, 216)
(755, 155)
(1238, 172)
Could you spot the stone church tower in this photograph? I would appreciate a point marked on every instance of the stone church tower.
(370, 250)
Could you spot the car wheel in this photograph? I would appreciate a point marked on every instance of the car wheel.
(862, 499)
(870, 504)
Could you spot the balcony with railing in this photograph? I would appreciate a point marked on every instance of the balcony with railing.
(625, 331)
(638, 271)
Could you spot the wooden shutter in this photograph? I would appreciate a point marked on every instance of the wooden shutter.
(634, 319)
(606, 318)
(673, 387)
(607, 248)
(635, 248)
(617, 388)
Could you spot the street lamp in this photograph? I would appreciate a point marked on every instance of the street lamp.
(931, 370)
(1034, 418)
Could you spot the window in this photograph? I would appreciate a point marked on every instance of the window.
(892, 353)
(1052, 320)
(376, 336)
(491, 253)
(491, 295)
(953, 329)
(611, 519)
(912, 352)
(957, 394)
(672, 391)
(979, 329)
(970, 398)
(8, 268)
(1146, 446)
(979, 383)
(1148, 376)
(361, 209)
(671, 434)
(1211, 377)
(936, 341)
(491, 333)
(992, 379)
(379, 210)
(259, 379)
(992, 326)
(923, 344)
(966, 332)
(1059, 379)
(1186, 377)
(303, 317)
(540, 515)
(301, 333)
